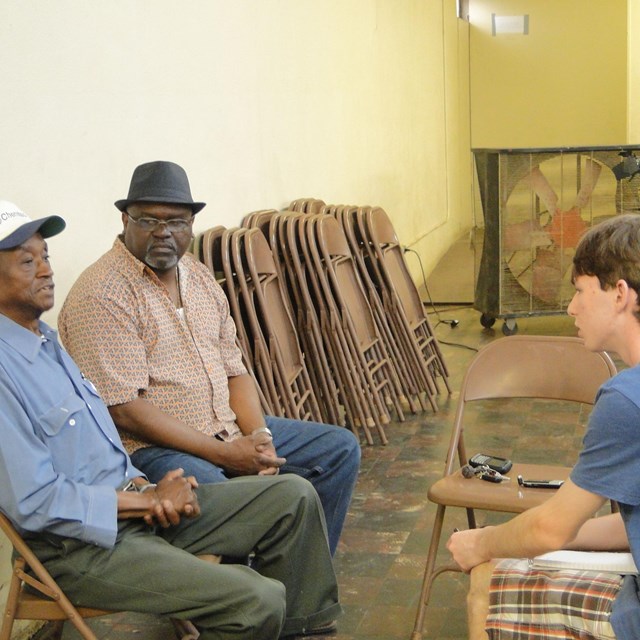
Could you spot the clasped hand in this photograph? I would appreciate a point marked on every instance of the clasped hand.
(173, 497)
(252, 455)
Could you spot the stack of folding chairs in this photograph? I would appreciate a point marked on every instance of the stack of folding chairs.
(384, 258)
(328, 318)
(403, 320)
(242, 263)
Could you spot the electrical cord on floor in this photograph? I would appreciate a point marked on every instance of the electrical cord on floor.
(451, 322)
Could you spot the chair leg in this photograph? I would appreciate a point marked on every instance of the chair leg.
(12, 602)
(428, 573)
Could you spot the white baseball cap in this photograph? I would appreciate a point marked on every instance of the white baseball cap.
(16, 226)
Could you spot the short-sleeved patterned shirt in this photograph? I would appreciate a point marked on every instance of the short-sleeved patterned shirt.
(121, 327)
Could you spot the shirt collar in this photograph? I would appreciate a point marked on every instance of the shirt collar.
(23, 341)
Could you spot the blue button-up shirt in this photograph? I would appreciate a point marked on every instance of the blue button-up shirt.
(61, 458)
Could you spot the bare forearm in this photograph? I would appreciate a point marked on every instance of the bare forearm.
(145, 421)
(242, 456)
(552, 525)
(245, 403)
(606, 533)
(525, 536)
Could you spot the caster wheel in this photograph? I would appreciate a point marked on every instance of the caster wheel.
(487, 321)
(510, 327)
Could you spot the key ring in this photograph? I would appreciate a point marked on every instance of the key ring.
(484, 472)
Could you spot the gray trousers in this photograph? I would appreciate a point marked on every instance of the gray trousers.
(290, 587)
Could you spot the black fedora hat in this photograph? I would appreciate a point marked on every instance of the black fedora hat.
(159, 181)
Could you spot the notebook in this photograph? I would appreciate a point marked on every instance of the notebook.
(609, 561)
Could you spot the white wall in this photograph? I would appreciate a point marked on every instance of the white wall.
(262, 101)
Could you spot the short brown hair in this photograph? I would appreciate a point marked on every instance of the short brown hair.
(610, 251)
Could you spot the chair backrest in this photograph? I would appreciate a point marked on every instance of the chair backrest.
(348, 291)
(550, 367)
(272, 319)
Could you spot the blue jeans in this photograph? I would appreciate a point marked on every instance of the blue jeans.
(327, 456)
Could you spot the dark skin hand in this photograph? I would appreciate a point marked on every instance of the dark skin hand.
(240, 457)
(245, 403)
(251, 455)
(173, 498)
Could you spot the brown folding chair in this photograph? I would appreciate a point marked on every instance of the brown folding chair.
(357, 402)
(401, 295)
(409, 388)
(284, 243)
(357, 316)
(211, 255)
(550, 368)
(307, 205)
(270, 319)
(250, 220)
(50, 603)
(258, 348)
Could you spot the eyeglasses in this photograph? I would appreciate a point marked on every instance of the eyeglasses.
(174, 225)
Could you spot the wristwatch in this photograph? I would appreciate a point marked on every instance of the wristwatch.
(263, 430)
(138, 488)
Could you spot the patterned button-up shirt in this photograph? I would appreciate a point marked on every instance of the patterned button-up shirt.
(121, 327)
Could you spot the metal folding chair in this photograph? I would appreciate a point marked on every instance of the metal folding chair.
(46, 601)
(348, 295)
(211, 256)
(409, 385)
(550, 368)
(400, 295)
(284, 243)
(268, 314)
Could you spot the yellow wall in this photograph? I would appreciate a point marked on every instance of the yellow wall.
(564, 84)
(633, 57)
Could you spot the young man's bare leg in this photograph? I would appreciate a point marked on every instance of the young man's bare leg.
(478, 600)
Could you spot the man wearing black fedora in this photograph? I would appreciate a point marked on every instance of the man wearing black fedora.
(151, 327)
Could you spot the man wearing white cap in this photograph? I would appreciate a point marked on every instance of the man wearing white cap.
(90, 515)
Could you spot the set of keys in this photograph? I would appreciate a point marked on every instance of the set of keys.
(484, 472)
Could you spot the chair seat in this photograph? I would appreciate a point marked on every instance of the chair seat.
(507, 496)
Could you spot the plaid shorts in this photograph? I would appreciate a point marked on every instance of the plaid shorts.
(532, 604)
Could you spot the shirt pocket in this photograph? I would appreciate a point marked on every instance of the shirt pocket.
(54, 419)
